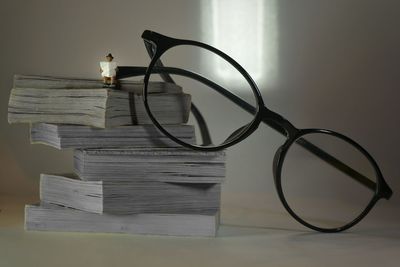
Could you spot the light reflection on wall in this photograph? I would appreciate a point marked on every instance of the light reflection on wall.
(247, 31)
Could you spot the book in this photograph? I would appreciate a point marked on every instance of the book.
(48, 217)
(150, 164)
(62, 136)
(98, 107)
(129, 197)
(94, 107)
(49, 82)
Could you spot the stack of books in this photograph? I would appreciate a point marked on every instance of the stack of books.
(128, 177)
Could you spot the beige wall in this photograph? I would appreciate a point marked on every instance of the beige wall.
(337, 67)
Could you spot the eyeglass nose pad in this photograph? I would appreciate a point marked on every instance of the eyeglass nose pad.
(276, 162)
(236, 133)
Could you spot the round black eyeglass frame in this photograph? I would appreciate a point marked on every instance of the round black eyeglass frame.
(157, 44)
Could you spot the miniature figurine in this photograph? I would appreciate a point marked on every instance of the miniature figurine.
(108, 70)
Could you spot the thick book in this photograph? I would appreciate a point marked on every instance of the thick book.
(49, 82)
(150, 164)
(47, 217)
(98, 107)
(64, 136)
(129, 197)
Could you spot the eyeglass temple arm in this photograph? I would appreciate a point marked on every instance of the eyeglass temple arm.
(331, 160)
(124, 72)
(128, 71)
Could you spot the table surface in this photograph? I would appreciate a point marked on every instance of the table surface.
(247, 237)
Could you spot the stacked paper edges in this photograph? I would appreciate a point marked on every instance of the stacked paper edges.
(129, 177)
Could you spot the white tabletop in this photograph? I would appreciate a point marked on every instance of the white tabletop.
(247, 237)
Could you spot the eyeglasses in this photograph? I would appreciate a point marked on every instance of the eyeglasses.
(325, 180)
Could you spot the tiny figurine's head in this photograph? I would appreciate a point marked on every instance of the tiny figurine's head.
(109, 57)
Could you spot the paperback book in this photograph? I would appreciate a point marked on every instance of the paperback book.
(98, 107)
(63, 136)
(150, 164)
(49, 82)
(48, 217)
(128, 197)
